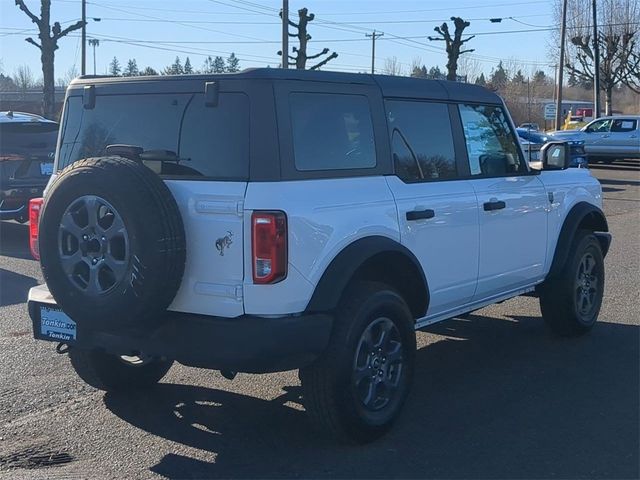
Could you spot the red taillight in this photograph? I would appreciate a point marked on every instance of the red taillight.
(269, 246)
(35, 204)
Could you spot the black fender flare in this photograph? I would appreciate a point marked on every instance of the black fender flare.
(342, 268)
(581, 215)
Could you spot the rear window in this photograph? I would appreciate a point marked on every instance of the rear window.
(28, 138)
(332, 132)
(204, 142)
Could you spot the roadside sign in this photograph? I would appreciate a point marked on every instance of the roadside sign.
(549, 111)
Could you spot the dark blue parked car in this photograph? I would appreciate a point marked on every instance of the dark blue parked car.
(533, 141)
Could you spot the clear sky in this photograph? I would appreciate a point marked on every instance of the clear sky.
(155, 31)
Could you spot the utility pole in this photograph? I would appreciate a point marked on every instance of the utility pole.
(373, 37)
(596, 73)
(94, 42)
(285, 34)
(563, 30)
(83, 63)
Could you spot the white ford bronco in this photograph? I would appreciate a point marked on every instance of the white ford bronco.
(273, 220)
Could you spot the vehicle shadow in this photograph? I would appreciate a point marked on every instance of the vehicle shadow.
(492, 399)
(14, 287)
(630, 165)
(14, 240)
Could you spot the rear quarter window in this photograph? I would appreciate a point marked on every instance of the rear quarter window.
(208, 142)
(332, 132)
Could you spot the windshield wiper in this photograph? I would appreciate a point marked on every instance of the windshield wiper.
(134, 152)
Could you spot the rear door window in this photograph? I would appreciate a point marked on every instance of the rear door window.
(197, 141)
(332, 132)
(623, 125)
(421, 140)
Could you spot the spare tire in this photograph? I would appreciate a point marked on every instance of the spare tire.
(112, 243)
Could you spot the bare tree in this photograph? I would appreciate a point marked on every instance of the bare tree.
(617, 40)
(69, 75)
(23, 78)
(453, 44)
(300, 60)
(49, 37)
(392, 66)
(469, 67)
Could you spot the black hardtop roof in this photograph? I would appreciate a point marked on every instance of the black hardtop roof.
(391, 86)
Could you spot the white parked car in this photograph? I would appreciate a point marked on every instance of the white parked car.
(280, 219)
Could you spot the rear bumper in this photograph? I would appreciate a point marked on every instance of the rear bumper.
(14, 200)
(243, 344)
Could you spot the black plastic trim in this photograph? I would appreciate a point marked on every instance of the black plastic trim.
(343, 267)
(243, 344)
(574, 218)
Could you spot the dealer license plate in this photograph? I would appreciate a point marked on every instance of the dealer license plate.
(46, 168)
(56, 325)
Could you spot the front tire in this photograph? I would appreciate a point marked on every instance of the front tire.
(571, 302)
(109, 372)
(356, 390)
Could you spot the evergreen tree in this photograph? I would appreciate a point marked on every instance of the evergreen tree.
(218, 65)
(419, 72)
(207, 66)
(148, 71)
(518, 77)
(540, 77)
(481, 80)
(499, 77)
(233, 64)
(174, 69)
(187, 67)
(131, 70)
(114, 67)
(435, 73)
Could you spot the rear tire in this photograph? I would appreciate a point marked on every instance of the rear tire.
(356, 390)
(109, 372)
(571, 302)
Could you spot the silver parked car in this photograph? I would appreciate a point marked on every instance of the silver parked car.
(607, 138)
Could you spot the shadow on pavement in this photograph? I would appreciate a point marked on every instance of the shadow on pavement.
(14, 240)
(14, 287)
(631, 165)
(492, 399)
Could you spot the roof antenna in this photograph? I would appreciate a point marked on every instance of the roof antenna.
(10, 114)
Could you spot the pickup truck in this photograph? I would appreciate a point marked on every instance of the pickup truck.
(607, 139)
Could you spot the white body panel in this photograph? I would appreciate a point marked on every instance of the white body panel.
(212, 282)
(567, 187)
(447, 244)
(324, 217)
(513, 239)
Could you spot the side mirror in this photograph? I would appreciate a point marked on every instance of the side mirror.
(555, 156)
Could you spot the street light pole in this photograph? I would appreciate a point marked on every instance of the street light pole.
(94, 42)
(83, 62)
(285, 34)
(596, 66)
(563, 30)
(373, 37)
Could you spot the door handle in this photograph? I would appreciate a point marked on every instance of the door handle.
(633, 136)
(606, 136)
(494, 205)
(420, 214)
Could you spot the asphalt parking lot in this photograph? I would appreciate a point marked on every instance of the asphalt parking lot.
(496, 395)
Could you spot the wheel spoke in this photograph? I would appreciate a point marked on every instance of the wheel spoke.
(93, 286)
(360, 374)
(392, 381)
(70, 226)
(117, 267)
(372, 393)
(394, 354)
(92, 205)
(69, 262)
(116, 227)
